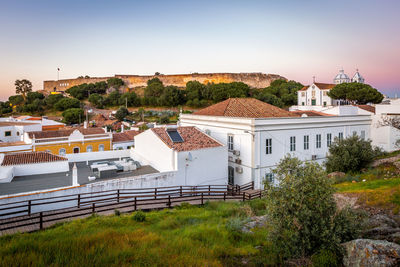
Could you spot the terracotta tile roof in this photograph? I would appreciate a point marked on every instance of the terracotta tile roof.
(321, 86)
(245, 108)
(5, 144)
(16, 123)
(193, 139)
(64, 132)
(367, 108)
(311, 113)
(125, 136)
(29, 158)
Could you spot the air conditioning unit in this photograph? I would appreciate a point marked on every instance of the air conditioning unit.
(313, 157)
(236, 152)
(239, 169)
(238, 161)
(230, 158)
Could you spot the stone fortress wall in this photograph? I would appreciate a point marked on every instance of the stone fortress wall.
(255, 80)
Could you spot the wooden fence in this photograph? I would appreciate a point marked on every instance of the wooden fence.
(19, 215)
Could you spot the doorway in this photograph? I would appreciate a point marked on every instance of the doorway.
(76, 150)
(231, 173)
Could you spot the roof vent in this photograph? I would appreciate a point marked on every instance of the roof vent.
(174, 135)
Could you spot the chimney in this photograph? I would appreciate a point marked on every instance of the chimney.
(122, 127)
(85, 124)
(75, 176)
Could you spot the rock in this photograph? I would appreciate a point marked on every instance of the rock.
(367, 252)
(335, 175)
(381, 220)
(382, 232)
(386, 161)
(345, 200)
(394, 238)
(256, 221)
(397, 164)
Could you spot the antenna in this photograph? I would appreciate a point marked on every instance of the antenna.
(313, 78)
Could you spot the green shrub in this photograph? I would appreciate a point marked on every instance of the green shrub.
(234, 227)
(184, 205)
(139, 216)
(117, 213)
(259, 206)
(325, 258)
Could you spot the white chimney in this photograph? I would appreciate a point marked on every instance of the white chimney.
(122, 127)
(85, 124)
(75, 176)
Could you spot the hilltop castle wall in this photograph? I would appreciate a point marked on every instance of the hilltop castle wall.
(255, 80)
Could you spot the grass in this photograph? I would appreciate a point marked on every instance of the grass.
(187, 236)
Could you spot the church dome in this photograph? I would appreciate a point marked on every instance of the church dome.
(341, 77)
(357, 78)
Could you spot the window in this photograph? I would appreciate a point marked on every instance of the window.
(231, 173)
(269, 177)
(303, 94)
(62, 152)
(17, 133)
(89, 148)
(363, 135)
(313, 93)
(325, 93)
(76, 150)
(293, 143)
(318, 142)
(268, 146)
(7, 133)
(302, 103)
(306, 142)
(324, 103)
(230, 142)
(340, 136)
(329, 139)
(101, 147)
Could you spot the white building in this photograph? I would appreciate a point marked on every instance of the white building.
(383, 134)
(124, 139)
(259, 135)
(195, 157)
(13, 131)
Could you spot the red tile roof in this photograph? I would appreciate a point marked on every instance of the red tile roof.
(245, 108)
(16, 123)
(367, 108)
(193, 139)
(125, 136)
(65, 132)
(30, 158)
(311, 113)
(321, 86)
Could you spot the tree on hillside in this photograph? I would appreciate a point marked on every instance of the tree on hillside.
(153, 91)
(113, 99)
(23, 87)
(131, 99)
(195, 90)
(358, 93)
(16, 100)
(302, 211)
(221, 91)
(51, 100)
(285, 93)
(115, 83)
(67, 103)
(73, 115)
(171, 96)
(97, 100)
(122, 112)
(32, 96)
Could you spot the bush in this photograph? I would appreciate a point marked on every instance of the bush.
(73, 115)
(325, 258)
(234, 227)
(139, 216)
(350, 155)
(117, 213)
(303, 213)
(121, 113)
(67, 103)
(164, 119)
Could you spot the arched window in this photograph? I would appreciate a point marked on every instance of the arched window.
(101, 147)
(76, 150)
(89, 148)
(62, 152)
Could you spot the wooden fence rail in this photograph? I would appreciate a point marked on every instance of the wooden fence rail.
(125, 200)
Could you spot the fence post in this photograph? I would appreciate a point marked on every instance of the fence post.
(244, 196)
(41, 220)
(79, 200)
(29, 207)
(209, 189)
(252, 185)
(118, 196)
(155, 193)
(135, 204)
(224, 196)
(181, 191)
(169, 201)
(93, 207)
(202, 201)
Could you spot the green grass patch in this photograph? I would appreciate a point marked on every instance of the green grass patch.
(187, 236)
(350, 187)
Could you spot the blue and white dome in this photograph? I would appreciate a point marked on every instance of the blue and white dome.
(357, 78)
(341, 77)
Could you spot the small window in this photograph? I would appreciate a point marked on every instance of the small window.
(7, 133)
(17, 133)
(324, 103)
(340, 136)
(325, 93)
(101, 147)
(230, 142)
(318, 141)
(306, 142)
(89, 148)
(293, 143)
(302, 103)
(62, 152)
(76, 150)
(363, 135)
(303, 94)
(268, 146)
(269, 177)
(329, 139)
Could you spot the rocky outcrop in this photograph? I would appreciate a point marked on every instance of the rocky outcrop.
(367, 252)
(255, 222)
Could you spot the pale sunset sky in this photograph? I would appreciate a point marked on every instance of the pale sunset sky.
(296, 39)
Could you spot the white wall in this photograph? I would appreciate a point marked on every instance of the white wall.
(15, 129)
(123, 145)
(98, 155)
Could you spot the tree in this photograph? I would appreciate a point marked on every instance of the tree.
(303, 213)
(164, 119)
(122, 112)
(350, 155)
(358, 93)
(51, 100)
(113, 99)
(67, 103)
(222, 91)
(285, 93)
(171, 96)
(153, 91)
(78, 92)
(115, 83)
(269, 98)
(23, 87)
(97, 100)
(32, 96)
(16, 100)
(195, 90)
(73, 115)
(131, 99)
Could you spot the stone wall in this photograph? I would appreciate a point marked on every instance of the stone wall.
(255, 80)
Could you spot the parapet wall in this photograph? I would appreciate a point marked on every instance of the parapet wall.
(255, 80)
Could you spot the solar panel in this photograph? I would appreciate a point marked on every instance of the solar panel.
(175, 136)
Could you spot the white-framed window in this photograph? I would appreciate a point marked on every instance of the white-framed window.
(230, 142)
(341, 136)
(101, 147)
(328, 139)
(293, 143)
(318, 141)
(269, 177)
(7, 133)
(363, 135)
(89, 148)
(268, 146)
(62, 152)
(306, 142)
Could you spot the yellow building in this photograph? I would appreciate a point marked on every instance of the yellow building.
(77, 140)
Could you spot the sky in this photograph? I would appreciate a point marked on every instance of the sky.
(293, 38)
